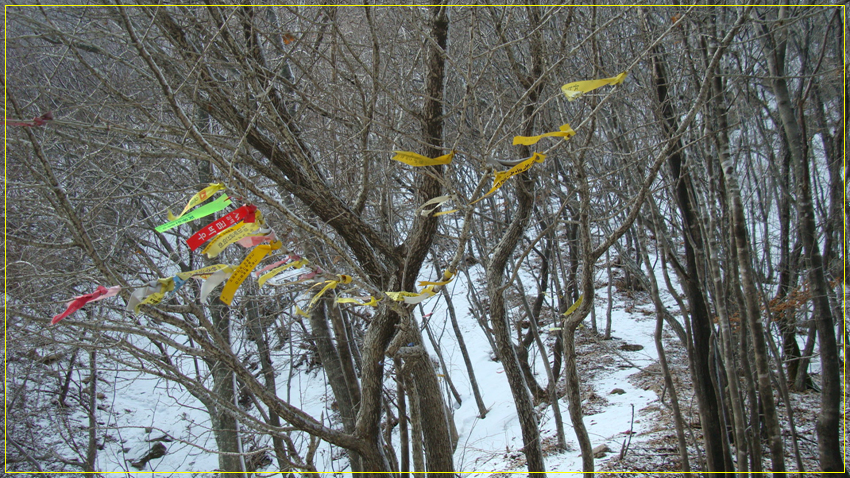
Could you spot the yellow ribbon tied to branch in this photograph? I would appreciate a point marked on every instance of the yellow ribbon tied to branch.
(198, 198)
(418, 160)
(574, 307)
(202, 273)
(565, 132)
(277, 270)
(331, 284)
(244, 270)
(447, 277)
(502, 176)
(575, 89)
(372, 302)
(412, 297)
(151, 294)
(231, 235)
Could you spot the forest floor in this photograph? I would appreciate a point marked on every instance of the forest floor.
(626, 408)
(623, 374)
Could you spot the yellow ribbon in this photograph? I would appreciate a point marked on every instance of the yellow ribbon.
(231, 235)
(300, 312)
(277, 270)
(331, 284)
(198, 198)
(574, 306)
(576, 89)
(203, 272)
(566, 132)
(502, 176)
(152, 294)
(244, 270)
(412, 297)
(447, 277)
(414, 159)
(372, 302)
(165, 285)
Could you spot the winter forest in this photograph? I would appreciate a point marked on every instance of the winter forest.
(275, 241)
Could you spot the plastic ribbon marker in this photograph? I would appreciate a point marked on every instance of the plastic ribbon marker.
(217, 278)
(437, 201)
(244, 270)
(78, 302)
(39, 121)
(203, 211)
(277, 270)
(234, 234)
(331, 284)
(212, 229)
(573, 307)
(372, 302)
(565, 132)
(502, 176)
(202, 273)
(152, 294)
(286, 259)
(418, 160)
(447, 277)
(265, 234)
(412, 297)
(198, 198)
(575, 89)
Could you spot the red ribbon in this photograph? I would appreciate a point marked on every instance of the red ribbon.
(244, 213)
(78, 302)
(39, 121)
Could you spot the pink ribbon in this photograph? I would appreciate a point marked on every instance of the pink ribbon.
(78, 302)
(39, 121)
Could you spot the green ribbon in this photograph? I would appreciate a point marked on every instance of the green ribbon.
(222, 202)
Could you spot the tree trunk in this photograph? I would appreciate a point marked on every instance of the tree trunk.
(753, 314)
(662, 356)
(224, 424)
(701, 322)
(828, 427)
(404, 440)
(333, 368)
(501, 331)
(258, 331)
(91, 449)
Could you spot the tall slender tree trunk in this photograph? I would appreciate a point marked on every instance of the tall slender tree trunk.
(828, 427)
(662, 356)
(501, 331)
(91, 449)
(701, 322)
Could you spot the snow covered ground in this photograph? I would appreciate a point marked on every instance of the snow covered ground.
(138, 409)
